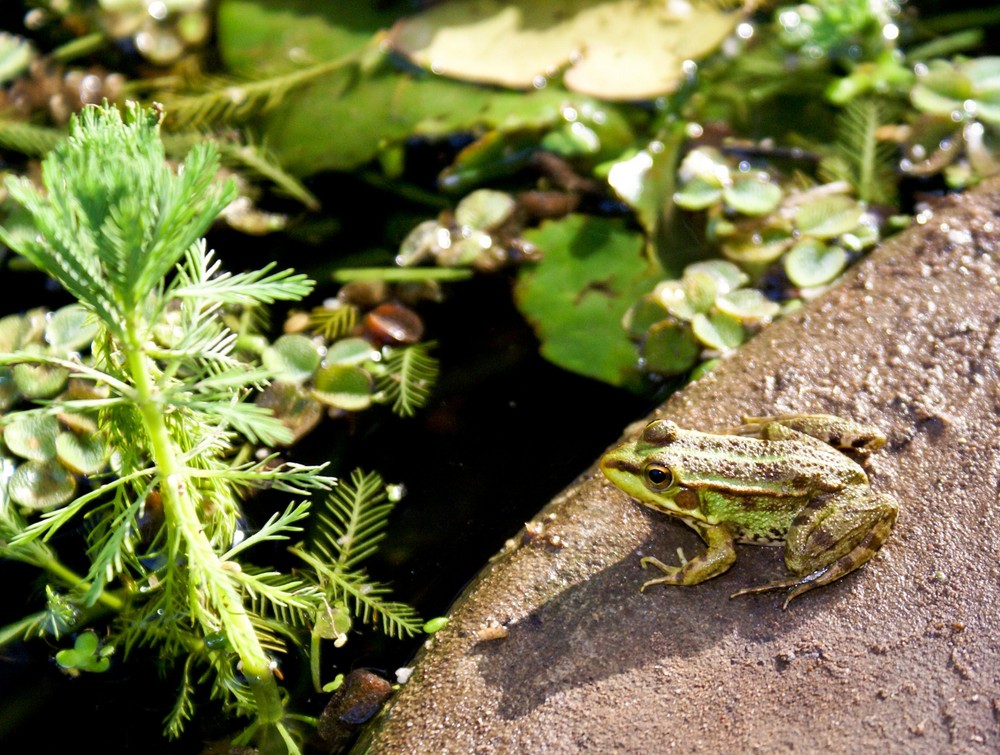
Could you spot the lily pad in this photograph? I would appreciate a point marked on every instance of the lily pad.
(813, 263)
(344, 386)
(39, 380)
(70, 328)
(699, 193)
(41, 484)
(591, 270)
(642, 315)
(293, 358)
(485, 209)
(718, 331)
(828, 217)
(748, 305)
(670, 348)
(612, 49)
(32, 436)
(83, 455)
(348, 351)
(752, 195)
(726, 275)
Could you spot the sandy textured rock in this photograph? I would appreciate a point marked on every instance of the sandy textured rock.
(902, 656)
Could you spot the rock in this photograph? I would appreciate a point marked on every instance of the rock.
(902, 655)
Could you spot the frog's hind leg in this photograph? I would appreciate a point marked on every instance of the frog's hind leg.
(845, 434)
(831, 538)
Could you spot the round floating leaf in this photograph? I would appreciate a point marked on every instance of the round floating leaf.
(670, 348)
(32, 436)
(757, 250)
(10, 332)
(70, 328)
(82, 455)
(590, 271)
(699, 193)
(293, 358)
(615, 49)
(752, 195)
(485, 209)
(642, 315)
(829, 216)
(718, 331)
(420, 243)
(350, 351)
(747, 305)
(345, 387)
(726, 275)
(813, 263)
(292, 406)
(703, 369)
(673, 295)
(41, 484)
(39, 380)
(9, 394)
(700, 289)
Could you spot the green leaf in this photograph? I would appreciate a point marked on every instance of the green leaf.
(826, 217)
(32, 436)
(752, 195)
(592, 269)
(747, 305)
(71, 328)
(406, 376)
(346, 387)
(813, 263)
(670, 348)
(699, 193)
(41, 484)
(613, 49)
(718, 331)
(293, 358)
(82, 455)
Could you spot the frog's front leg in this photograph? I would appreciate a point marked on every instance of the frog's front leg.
(719, 556)
(832, 536)
(835, 431)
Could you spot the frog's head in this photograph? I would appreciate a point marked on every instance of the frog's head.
(642, 468)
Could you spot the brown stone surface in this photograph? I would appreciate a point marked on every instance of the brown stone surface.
(901, 656)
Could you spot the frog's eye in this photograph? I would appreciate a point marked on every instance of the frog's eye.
(658, 477)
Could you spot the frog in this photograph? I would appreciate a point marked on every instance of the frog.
(780, 480)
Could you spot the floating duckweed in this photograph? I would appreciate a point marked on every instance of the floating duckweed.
(747, 305)
(718, 331)
(70, 328)
(41, 484)
(753, 195)
(32, 436)
(812, 263)
(669, 348)
(344, 387)
(485, 209)
(84, 455)
(826, 217)
(293, 358)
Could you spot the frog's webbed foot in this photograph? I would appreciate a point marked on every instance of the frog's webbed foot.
(671, 574)
(801, 585)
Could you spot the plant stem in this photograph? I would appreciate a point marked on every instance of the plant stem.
(185, 527)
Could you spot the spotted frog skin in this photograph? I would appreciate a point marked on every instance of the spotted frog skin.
(778, 480)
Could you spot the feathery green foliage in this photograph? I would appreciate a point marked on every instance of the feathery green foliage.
(118, 229)
(407, 376)
(347, 530)
(858, 157)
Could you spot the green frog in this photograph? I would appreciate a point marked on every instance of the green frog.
(778, 480)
